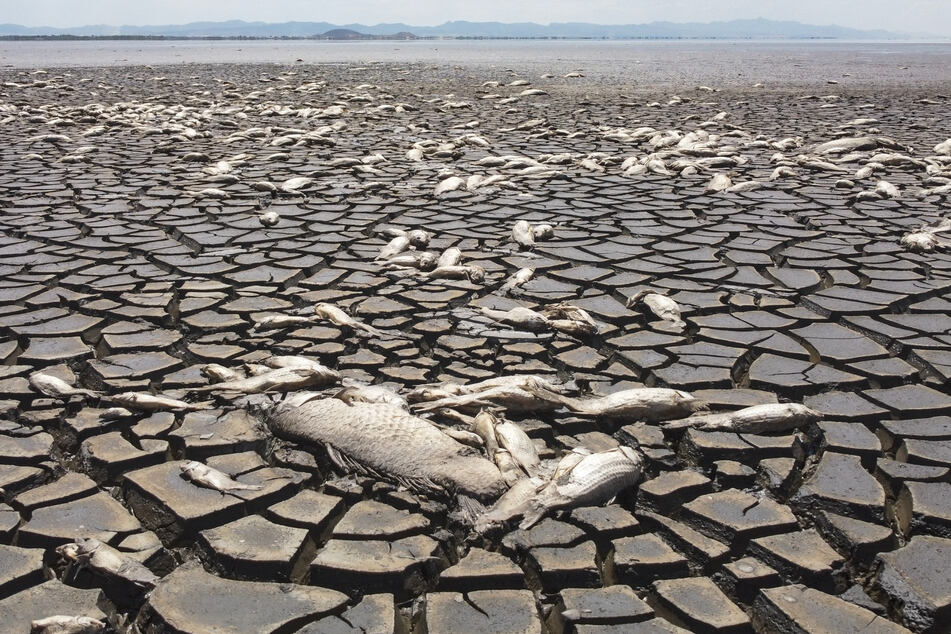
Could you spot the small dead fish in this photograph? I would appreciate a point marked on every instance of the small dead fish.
(508, 466)
(294, 185)
(519, 316)
(570, 319)
(517, 279)
(292, 361)
(451, 184)
(647, 403)
(336, 316)
(210, 478)
(593, 480)
(56, 387)
(219, 373)
(115, 413)
(276, 322)
(394, 247)
(269, 218)
(662, 306)
(718, 183)
(107, 561)
(758, 419)
(543, 232)
(277, 380)
(523, 235)
(63, 624)
(358, 393)
(143, 401)
(471, 272)
(450, 257)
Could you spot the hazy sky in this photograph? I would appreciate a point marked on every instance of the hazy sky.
(931, 16)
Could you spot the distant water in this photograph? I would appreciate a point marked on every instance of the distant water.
(634, 61)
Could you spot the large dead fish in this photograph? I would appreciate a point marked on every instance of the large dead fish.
(647, 403)
(107, 561)
(386, 441)
(758, 419)
(592, 480)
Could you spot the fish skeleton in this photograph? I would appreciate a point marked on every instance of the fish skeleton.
(385, 440)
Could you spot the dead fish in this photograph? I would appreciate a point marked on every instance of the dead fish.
(499, 433)
(593, 480)
(926, 238)
(570, 319)
(115, 413)
(519, 316)
(275, 322)
(472, 272)
(758, 419)
(450, 257)
(662, 306)
(384, 440)
(210, 478)
(393, 247)
(209, 192)
(277, 380)
(291, 361)
(419, 238)
(63, 624)
(359, 393)
(219, 373)
(143, 401)
(107, 561)
(543, 232)
(294, 185)
(518, 278)
(508, 467)
(718, 183)
(56, 387)
(442, 390)
(451, 184)
(512, 397)
(887, 190)
(335, 315)
(647, 404)
(269, 218)
(422, 260)
(523, 235)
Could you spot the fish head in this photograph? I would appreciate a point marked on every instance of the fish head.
(427, 261)
(475, 273)
(419, 238)
(69, 551)
(191, 465)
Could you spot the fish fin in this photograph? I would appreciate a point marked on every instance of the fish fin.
(470, 509)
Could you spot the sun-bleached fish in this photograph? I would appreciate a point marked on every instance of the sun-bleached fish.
(592, 480)
(210, 478)
(758, 419)
(142, 401)
(107, 561)
(385, 440)
(56, 387)
(646, 403)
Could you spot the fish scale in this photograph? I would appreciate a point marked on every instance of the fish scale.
(390, 441)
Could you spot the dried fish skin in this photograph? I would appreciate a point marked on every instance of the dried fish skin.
(758, 419)
(593, 480)
(385, 439)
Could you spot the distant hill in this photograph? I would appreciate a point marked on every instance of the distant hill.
(734, 29)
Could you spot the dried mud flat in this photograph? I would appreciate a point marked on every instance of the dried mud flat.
(133, 254)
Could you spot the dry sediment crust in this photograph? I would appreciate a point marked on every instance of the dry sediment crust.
(131, 256)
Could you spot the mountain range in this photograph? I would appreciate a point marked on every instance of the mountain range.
(734, 29)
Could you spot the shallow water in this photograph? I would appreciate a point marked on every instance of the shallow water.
(635, 61)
